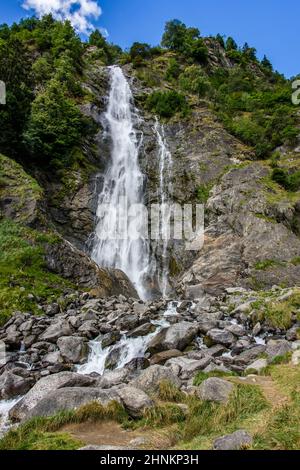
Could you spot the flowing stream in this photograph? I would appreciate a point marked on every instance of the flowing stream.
(123, 189)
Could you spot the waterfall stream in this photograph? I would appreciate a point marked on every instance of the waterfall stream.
(123, 188)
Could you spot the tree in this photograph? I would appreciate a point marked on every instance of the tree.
(140, 52)
(97, 39)
(266, 63)
(55, 126)
(220, 40)
(231, 45)
(174, 35)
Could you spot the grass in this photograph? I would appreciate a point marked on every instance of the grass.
(278, 313)
(201, 376)
(41, 433)
(266, 264)
(24, 279)
(169, 392)
(203, 193)
(282, 431)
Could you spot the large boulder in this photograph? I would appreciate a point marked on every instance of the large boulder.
(177, 336)
(224, 337)
(188, 367)
(149, 379)
(56, 330)
(277, 347)
(239, 440)
(45, 386)
(248, 356)
(12, 385)
(112, 378)
(73, 349)
(215, 389)
(162, 357)
(71, 399)
(136, 401)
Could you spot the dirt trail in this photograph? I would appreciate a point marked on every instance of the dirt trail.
(269, 388)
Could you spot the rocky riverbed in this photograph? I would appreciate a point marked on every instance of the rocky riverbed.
(121, 349)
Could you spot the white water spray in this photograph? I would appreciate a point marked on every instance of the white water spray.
(165, 187)
(123, 185)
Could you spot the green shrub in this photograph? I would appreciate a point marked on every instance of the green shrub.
(194, 81)
(167, 104)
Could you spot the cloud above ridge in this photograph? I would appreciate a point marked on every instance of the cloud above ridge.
(81, 13)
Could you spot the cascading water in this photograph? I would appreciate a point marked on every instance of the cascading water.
(165, 182)
(122, 189)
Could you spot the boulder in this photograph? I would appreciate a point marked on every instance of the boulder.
(73, 349)
(45, 386)
(277, 347)
(239, 440)
(164, 356)
(149, 379)
(135, 401)
(215, 389)
(188, 367)
(71, 399)
(143, 330)
(112, 378)
(248, 356)
(258, 365)
(110, 338)
(12, 385)
(56, 330)
(177, 336)
(223, 337)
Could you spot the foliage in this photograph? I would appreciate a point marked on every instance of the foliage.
(290, 182)
(167, 103)
(23, 276)
(109, 53)
(173, 70)
(194, 81)
(178, 38)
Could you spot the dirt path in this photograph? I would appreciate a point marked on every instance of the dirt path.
(269, 388)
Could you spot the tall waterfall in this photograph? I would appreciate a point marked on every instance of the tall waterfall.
(165, 188)
(123, 185)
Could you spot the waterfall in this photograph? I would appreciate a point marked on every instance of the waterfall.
(123, 187)
(165, 187)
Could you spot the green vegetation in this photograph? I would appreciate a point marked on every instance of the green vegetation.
(203, 193)
(290, 182)
(167, 104)
(41, 433)
(201, 376)
(264, 265)
(24, 281)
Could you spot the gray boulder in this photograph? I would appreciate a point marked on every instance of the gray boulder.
(188, 367)
(177, 336)
(45, 386)
(258, 365)
(239, 440)
(164, 356)
(248, 356)
(223, 337)
(113, 378)
(215, 389)
(12, 385)
(56, 330)
(135, 401)
(277, 347)
(149, 379)
(71, 399)
(73, 349)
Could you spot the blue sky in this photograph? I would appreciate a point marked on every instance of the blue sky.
(272, 26)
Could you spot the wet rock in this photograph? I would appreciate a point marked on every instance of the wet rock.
(237, 441)
(293, 333)
(257, 329)
(137, 363)
(142, 330)
(73, 349)
(177, 336)
(113, 357)
(110, 338)
(215, 389)
(135, 401)
(12, 385)
(149, 379)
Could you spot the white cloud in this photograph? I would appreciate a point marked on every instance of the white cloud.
(81, 13)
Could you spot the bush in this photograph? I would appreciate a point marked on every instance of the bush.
(167, 104)
(193, 80)
(139, 52)
(288, 182)
(173, 70)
